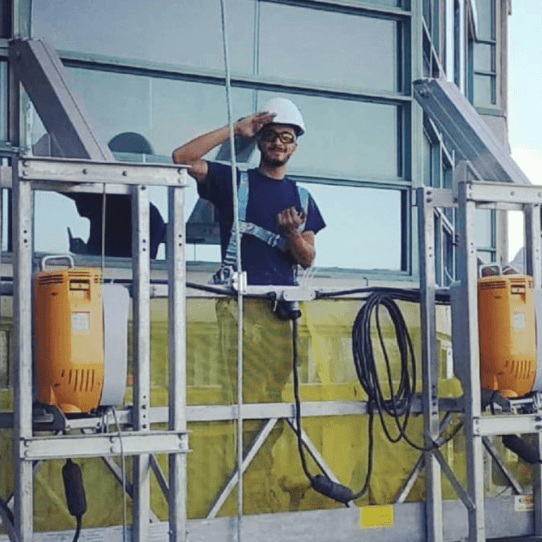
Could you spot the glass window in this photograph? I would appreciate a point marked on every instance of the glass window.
(484, 90)
(484, 57)
(346, 137)
(485, 19)
(5, 19)
(3, 101)
(328, 47)
(166, 113)
(363, 227)
(426, 156)
(53, 214)
(187, 32)
(449, 258)
(484, 228)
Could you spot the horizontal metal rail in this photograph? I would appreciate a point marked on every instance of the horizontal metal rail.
(133, 443)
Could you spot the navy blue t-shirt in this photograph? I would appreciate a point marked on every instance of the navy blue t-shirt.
(267, 198)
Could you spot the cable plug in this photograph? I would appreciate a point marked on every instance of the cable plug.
(331, 489)
(74, 488)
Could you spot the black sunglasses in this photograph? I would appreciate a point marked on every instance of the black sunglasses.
(271, 135)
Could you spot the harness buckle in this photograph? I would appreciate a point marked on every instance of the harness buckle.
(224, 275)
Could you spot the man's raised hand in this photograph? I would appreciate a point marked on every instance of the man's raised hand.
(251, 125)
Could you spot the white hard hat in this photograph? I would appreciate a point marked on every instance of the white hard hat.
(286, 113)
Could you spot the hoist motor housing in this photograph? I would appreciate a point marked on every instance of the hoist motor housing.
(507, 335)
(69, 338)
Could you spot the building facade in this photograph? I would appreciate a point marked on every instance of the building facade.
(348, 65)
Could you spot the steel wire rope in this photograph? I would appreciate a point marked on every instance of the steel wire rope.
(239, 270)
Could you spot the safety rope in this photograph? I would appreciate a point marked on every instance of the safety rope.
(239, 271)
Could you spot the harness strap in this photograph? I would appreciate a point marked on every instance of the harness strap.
(274, 240)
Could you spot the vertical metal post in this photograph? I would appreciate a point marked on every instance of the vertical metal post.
(22, 316)
(474, 447)
(534, 268)
(177, 359)
(141, 333)
(433, 488)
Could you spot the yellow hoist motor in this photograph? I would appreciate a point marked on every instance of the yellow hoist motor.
(507, 336)
(69, 337)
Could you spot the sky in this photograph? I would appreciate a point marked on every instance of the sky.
(525, 98)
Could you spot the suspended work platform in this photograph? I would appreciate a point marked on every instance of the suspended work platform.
(472, 516)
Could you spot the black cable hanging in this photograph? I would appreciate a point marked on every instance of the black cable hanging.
(321, 482)
(399, 403)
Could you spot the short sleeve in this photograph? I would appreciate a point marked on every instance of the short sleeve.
(217, 186)
(315, 222)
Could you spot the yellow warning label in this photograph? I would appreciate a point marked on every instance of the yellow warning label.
(376, 516)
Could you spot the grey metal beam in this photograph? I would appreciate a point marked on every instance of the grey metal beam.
(507, 425)
(254, 411)
(493, 452)
(141, 336)
(433, 487)
(505, 519)
(131, 443)
(459, 490)
(403, 492)
(482, 191)
(467, 272)
(534, 268)
(44, 78)
(248, 456)
(176, 263)
(465, 131)
(22, 381)
(315, 454)
(71, 170)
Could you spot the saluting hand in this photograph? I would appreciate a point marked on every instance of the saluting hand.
(251, 125)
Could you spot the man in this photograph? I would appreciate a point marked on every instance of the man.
(280, 225)
(274, 204)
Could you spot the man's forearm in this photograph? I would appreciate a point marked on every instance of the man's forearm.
(195, 149)
(301, 246)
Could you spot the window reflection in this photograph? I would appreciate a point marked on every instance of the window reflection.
(484, 90)
(486, 19)
(187, 32)
(484, 228)
(346, 137)
(363, 227)
(329, 47)
(3, 101)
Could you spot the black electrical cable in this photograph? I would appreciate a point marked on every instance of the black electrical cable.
(397, 405)
(442, 297)
(322, 483)
(75, 493)
(79, 521)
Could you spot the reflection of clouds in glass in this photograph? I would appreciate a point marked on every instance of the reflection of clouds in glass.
(327, 47)
(53, 214)
(187, 32)
(363, 227)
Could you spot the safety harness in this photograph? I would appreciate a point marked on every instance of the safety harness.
(274, 240)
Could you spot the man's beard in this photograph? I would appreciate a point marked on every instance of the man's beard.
(273, 162)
